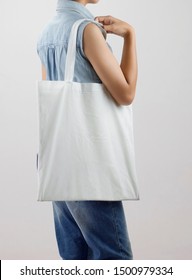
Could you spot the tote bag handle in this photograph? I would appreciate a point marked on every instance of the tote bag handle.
(71, 50)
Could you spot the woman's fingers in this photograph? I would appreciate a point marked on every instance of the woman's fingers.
(114, 25)
(105, 20)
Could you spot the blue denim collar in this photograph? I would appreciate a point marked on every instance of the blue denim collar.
(64, 5)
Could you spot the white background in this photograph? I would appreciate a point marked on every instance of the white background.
(160, 224)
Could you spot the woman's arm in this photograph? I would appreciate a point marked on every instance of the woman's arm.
(120, 80)
(43, 72)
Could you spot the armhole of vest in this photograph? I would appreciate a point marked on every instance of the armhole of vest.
(80, 35)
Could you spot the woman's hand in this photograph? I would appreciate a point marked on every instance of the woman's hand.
(115, 26)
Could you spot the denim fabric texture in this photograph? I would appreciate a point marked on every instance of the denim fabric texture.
(94, 230)
(53, 42)
(91, 230)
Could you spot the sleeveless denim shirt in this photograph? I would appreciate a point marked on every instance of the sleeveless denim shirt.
(53, 41)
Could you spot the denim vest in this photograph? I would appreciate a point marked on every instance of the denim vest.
(53, 41)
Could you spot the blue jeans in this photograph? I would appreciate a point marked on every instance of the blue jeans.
(91, 230)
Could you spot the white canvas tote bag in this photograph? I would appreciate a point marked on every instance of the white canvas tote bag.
(86, 144)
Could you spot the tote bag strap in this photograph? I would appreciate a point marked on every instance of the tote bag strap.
(71, 50)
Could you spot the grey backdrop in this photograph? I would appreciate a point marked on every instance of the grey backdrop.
(160, 224)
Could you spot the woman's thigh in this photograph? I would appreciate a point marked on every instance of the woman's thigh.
(103, 226)
(70, 241)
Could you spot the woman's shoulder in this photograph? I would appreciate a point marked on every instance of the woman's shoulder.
(56, 30)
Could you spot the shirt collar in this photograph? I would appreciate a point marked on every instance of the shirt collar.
(64, 5)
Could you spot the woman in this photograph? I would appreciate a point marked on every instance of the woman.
(90, 229)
